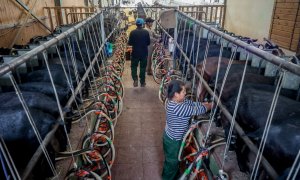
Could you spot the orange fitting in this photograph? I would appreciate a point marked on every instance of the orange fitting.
(98, 112)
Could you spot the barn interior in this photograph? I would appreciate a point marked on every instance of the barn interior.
(70, 109)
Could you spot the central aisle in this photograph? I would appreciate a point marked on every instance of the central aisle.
(138, 133)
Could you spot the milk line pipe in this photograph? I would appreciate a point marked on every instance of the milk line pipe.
(227, 114)
(265, 55)
(50, 135)
(25, 57)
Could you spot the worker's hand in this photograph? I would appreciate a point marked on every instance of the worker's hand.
(208, 105)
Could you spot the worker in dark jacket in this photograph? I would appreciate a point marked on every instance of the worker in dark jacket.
(139, 39)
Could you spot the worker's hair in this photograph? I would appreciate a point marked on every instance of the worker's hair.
(175, 86)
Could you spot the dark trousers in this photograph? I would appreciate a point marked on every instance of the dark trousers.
(134, 64)
(171, 164)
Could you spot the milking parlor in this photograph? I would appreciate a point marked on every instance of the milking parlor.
(150, 89)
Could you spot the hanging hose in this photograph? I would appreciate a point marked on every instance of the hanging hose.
(98, 142)
(161, 69)
(188, 134)
(106, 101)
(188, 146)
(104, 125)
(64, 155)
(113, 104)
(81, 174)
(198, 163)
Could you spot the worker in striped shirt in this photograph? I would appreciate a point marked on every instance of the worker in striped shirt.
(179, 110)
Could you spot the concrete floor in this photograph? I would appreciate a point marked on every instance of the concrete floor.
(138, 133)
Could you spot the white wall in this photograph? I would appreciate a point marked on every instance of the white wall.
(188, 2)
(250, 18)
(71, 3)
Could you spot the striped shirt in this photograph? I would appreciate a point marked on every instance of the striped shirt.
(178, 115)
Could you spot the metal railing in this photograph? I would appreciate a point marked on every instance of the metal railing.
(67, 15)
(206, 13)
(92, 30)
(250, 49)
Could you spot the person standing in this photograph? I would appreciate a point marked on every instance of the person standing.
(139, 39)
(178, 110)
(153, 38)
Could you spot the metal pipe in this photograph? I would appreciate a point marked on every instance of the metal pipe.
(227, 114)
(133, 7)
(50, 135)
(5, 68)
(176, 29)
(265, 55)
(88, 13)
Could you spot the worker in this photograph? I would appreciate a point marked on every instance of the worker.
(179, 110)
(139, 39)
(153, 38)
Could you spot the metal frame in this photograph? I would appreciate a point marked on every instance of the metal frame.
(18, 61)
(267, 56)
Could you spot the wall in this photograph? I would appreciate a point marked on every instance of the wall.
(249, 18)
(285, 29)
(189, 2)
(12, 14)
(70, 3)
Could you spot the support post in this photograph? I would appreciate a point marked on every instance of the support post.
(175, 39)
(102, 27)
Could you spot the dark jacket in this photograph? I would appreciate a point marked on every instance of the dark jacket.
(139, 39)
